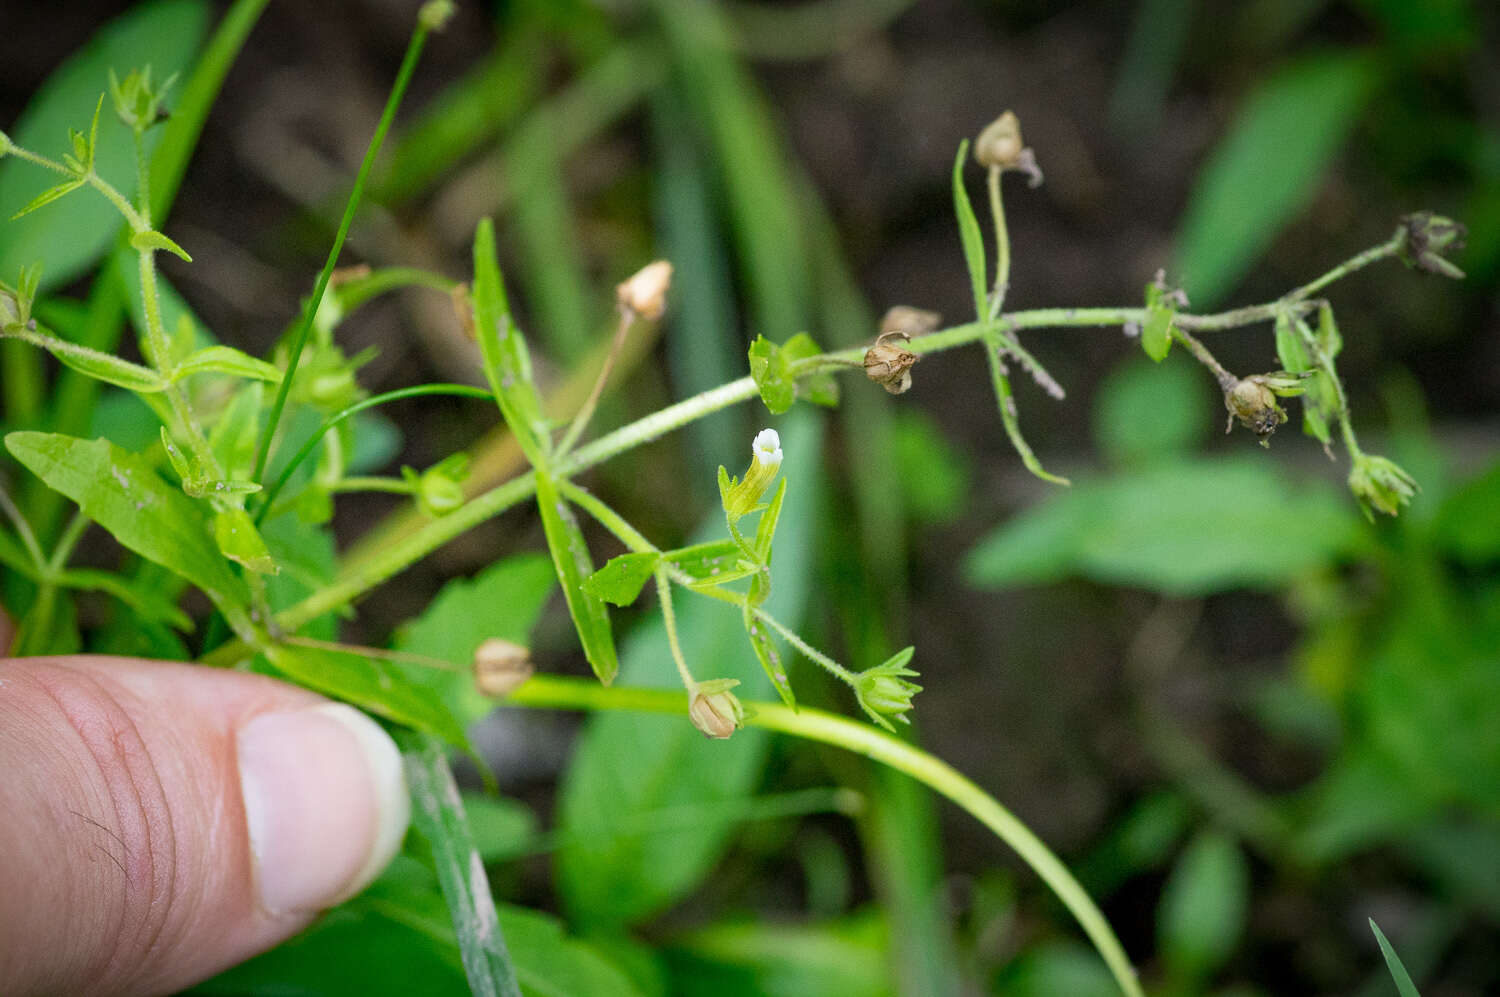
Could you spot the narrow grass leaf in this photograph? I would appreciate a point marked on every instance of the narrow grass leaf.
(1404, 986)
(994, 348)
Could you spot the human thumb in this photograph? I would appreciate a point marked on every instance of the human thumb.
(165, 821)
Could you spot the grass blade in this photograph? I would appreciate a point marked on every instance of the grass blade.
(1404, 985)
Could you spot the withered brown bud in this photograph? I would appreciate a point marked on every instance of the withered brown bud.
(911, 322)
(1253, 403)
(715, 710)
(349, 274)
(500, 666)
(889, 364)
(463, 308)
(1427, 238)
(646, 292)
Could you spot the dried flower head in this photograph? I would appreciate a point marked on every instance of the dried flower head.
(645, 294)
(889, 364)
(500, 666)
(1428, 237)
(1253, 403)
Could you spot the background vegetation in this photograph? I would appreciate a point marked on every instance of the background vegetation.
(1248, 719)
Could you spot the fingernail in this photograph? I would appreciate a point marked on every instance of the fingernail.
(325, 804)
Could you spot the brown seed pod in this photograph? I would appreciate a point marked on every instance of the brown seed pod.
(888, 364)
(500, 666)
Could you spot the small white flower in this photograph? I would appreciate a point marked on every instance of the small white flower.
(767, 447)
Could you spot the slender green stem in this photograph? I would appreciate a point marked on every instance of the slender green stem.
(586, 412)
(607, 517)
(460, 390)
(556, 692)
(811, 653)
(23, 530)
(142, 176)
(1372, 255)
(393, 486)
(1002, 244)
(71, 534)
(669, 616)
(1226, 380)
(398, 89)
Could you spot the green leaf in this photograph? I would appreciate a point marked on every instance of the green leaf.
(1181, 529)
(374, 684)
(226, 360)
(502, 828)
(122, 492)
(438, 816)
(1466, 525)
(847, 957)
(1404, 986)
(507, 362)
(47, 196)
(968, 231)
(773, 375)
(628, 765)
(621, 579)
(820, 389)
(1156, 331)
(768, 656)
(765, 530)
(146, 602)
(504, 600)
(1289, 348)
(1330, 340)
(1204, 905)
(570, 555)
(75, 233)
(305, 554)
(100, 366)
(1266, 169)
(712, 563)
(240, 541)
(154, 240)
(994, 348)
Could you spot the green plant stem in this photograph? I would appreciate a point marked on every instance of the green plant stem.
(1226, 380)
(586, 411)
(23, 530)
(606, 517)
(1002, 244)
(555, 692)
(669, 617)
(1374, 254)
(69, 538)
(398, 89)
(812, 654)
(393, 486)
(459, 390)
(389, 560)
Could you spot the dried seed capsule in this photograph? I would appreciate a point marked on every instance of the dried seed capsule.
(888, 364)
(500, 666)
(646, 292)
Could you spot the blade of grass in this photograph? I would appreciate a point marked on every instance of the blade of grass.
(398, 89)
(438, 815)
(1404, 985)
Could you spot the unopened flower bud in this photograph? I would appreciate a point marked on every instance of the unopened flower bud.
(740, 497)
(500, 666)
(646, 292)
(1380, 484)
(889, 364)
(714, 709)
(1000, 147)
(1253, 403)
(1427, 238)
(4, 143)
(435, 14)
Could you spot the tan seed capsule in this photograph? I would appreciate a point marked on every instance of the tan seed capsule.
(646, 292)
(888, 364)
(500, 666)
(1000, 143)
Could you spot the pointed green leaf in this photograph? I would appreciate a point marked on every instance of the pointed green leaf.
(47, 196)
(820, 389)
(994, 346)
(153, 240)
(507, 362)
(712, 564)
(768, 656)
(1204, 905)
(621, 579)
(1329, 339)
(102, 366)
(968, 231)
(1289, 348)
(241, 542)
(1404, 986)
(765, 530)
(226, 360)
(570, 556)
(123, 493)
(1156, 331)
(143, 599)
(371, 683)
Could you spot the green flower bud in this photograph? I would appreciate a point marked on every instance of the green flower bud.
(435, 14)
(883, 691)
(440, 489)
(741, 497)
(715, 710)
(1380, 484)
